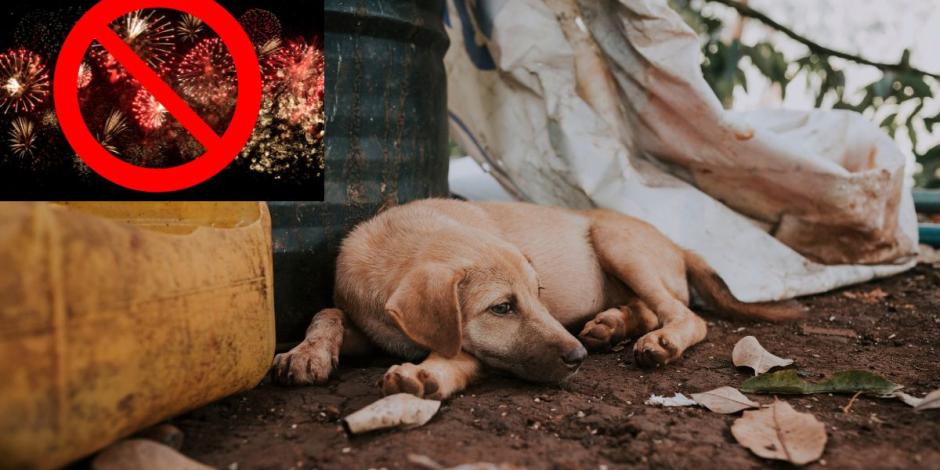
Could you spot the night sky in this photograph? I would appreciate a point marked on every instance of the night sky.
(41, 165)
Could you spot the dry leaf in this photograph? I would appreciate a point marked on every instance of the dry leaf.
(909, 400)
(425, 462)
(143, 454)
(929, 402)
(748, 352)
(675, 400)
(782, 433)
(398, 410)
(724, 400)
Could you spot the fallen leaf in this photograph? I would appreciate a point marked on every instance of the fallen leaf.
(748, 352)
(929, 402)
(850, 381)
(909, 400)
(143, 454)
(425, 462)
(724, 400)
(399, 410)
(782, 433)
(675, 400)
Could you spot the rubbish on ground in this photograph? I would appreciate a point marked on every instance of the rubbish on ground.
(748, 352)
(143, 454)
(782, 433)
(817, 330)
(724, 400)
(849, 381)
(399, 410)
(675, 400)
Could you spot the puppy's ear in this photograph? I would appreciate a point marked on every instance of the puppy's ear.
(426, 307)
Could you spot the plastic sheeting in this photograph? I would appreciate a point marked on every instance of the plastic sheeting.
(601, 103)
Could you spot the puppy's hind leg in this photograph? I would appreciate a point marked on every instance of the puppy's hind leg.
(317, 355)
(614, 325)
(654, 269)
(437, 377)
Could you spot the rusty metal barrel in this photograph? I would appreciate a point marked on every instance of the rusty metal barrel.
(386, 142)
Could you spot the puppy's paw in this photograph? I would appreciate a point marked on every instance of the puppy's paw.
(410, 378)
(604, 330)
(308, 363)
(655, 349)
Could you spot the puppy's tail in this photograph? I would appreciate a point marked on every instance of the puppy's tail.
(716, 295)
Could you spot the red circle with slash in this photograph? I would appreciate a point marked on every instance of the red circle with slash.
(220, 150)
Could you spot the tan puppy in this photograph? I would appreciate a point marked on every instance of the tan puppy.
(460, 284)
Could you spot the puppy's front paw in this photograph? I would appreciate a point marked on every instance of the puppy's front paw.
(409, 378)
(604, 331)
(656, 349)
(308, 363)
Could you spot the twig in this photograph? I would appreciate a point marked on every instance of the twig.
(851, 402)
(749, 12)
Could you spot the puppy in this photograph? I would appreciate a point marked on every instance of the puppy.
(458, 285)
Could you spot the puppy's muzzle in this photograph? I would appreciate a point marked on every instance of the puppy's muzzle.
(574, 357)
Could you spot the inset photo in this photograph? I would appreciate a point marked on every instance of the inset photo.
(214, 101)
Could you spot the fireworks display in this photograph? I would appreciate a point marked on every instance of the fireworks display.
(84, 75)
(22, 137)
(189, 28)
(207, 73)
(261, 25)
(133, 125)
(114, 125)
(149, 35)
(24, 80)
(291, 122)
(148, 112)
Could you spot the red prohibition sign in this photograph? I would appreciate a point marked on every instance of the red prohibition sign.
(220, 150)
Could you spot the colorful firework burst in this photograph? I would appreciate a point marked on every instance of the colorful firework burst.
(207, 73)
(289, 133)
(84, 75)
(261, 25)
(269, 47)
(148, 112)
(149, 35)
(295, 74)
(189, 27)
(22, 137)
(24, 80)
(49, 119)
(114, 125)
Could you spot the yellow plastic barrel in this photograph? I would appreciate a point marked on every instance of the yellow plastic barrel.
(115, 316)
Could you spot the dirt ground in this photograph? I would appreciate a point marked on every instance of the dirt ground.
(598, 420)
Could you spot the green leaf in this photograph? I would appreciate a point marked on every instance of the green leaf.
(849, 381)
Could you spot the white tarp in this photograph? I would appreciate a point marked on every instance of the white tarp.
(601, 103)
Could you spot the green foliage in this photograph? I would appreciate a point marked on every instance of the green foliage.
(720, 65)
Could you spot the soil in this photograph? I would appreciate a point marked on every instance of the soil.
(598, 419)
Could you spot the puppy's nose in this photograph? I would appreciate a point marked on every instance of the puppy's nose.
(574, 357)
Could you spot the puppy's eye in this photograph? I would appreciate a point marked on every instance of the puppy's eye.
(501, 309)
